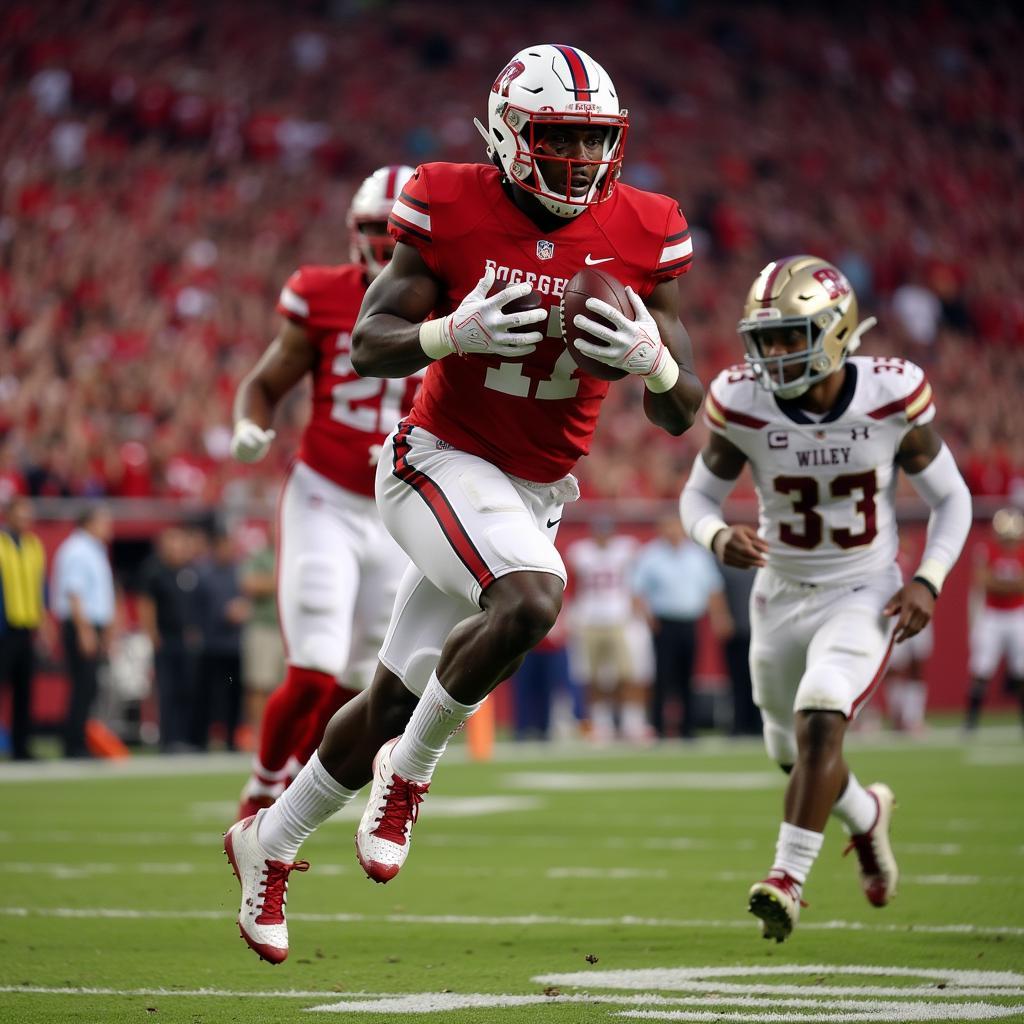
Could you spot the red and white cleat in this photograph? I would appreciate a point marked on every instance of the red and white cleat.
(776, 901)
(878, 871)
(385, 830)
(264, 885)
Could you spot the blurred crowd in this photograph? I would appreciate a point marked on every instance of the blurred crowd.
(163, 168)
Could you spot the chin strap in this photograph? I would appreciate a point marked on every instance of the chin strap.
(486, 136)
(859, 331)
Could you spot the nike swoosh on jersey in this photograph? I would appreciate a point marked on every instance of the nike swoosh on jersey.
(554, 522)
(591, 262)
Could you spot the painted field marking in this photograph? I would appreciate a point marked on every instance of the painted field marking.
(606, 874)
(223, 811)
(856, 1002)
(638, 995)
(579, 782)
(525, 920)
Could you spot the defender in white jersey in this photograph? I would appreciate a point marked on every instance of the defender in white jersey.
(824, 435)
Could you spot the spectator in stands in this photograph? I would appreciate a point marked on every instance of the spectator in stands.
(262, 647)
(82, 586)
(676, 582)
(167, 614)
(22, 582)
(220, 609)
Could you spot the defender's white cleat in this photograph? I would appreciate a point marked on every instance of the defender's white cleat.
(264, 885)
(878, 871)
(385, 831)
(776, 901)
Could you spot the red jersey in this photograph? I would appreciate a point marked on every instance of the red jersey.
(533, 417)
(1005, 563)
(351, 414)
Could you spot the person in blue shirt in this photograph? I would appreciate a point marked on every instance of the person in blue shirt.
(676, 582)
(82, 586)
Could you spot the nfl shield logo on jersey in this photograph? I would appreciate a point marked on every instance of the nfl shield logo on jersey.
(545, 249)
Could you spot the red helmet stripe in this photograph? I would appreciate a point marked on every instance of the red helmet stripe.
(578, 70)
(766, 299)
(389, 190)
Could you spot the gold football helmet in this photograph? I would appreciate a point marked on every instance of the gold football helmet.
(1008, 524)
(799, 324)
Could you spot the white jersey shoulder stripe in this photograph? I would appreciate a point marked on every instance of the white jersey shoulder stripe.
(407, 213)
(294, 302)
(671, 253)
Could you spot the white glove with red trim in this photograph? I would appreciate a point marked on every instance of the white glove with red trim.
(479, 327)
(632, 345)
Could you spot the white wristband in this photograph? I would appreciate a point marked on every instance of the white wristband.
(434, 340)
(705, 530)
(664, 378)
(932, 570)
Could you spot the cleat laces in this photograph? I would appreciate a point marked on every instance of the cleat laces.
(274, 888)
(865, 853)
(401, 809)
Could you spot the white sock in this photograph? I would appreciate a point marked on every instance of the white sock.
(915, 700)
(634, 721)
(437, 717)
(796, 851)
(857, 809)
(308, 802)
(292, 767)
(602, 722)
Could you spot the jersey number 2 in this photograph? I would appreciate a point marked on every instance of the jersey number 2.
(370, 418)
(806, 497)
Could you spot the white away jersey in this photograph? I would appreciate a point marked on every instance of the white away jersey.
(601, 580)
(825, 488)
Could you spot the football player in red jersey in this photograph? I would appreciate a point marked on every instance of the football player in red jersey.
(338, 568)
(998, 628)
(473, 482)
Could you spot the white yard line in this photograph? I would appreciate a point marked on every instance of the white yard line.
(526, 920)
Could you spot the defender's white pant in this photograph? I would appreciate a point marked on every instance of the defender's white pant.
(464, 523)
(338, 573)
(996, 633)
(815, 648)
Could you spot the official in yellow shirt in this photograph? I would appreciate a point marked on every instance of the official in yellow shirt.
(22, 579)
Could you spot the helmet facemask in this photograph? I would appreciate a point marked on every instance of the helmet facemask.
(371, 245)
(774, 372)
(527, 167)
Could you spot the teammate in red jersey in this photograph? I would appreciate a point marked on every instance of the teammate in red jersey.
(338, 568)
(998, 629)
(473, 482)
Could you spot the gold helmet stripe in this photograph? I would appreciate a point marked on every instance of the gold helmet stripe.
(766, 294)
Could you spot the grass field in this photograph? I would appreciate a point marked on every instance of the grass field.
(551, 885)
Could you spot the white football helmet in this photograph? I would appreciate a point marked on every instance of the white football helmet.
(554, 84)
(369, 241)
(803, 295)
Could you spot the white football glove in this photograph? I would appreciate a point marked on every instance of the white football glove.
(478, 326)
(632, 345)
(250, 442)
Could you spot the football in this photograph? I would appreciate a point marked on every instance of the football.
(532, 300)
(591, 284)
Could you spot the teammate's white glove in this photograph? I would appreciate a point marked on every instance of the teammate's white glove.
(250, 442)
(632, 345)
(478, 326)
